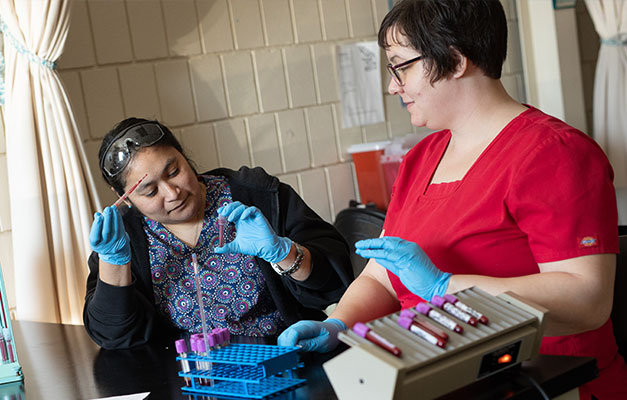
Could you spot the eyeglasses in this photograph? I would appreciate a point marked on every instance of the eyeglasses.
(118, 153)
(396, 70)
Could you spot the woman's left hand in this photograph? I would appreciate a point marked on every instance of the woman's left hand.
(255, 236)
(407, 261)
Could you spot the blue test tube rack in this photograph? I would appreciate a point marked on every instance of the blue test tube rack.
(251, 371)
(10, 369)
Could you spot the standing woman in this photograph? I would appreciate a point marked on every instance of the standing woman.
(281, 263)
(503, 196)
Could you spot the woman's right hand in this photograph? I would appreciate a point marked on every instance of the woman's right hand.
(108, 237)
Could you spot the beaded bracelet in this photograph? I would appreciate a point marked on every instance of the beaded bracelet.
(300, 256)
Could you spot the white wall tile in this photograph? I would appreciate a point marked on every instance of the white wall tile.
(293, 136)
(181, 25)
(300, 76)
(292, 180)
(335, 19)
(342, 187)
(347, 136)
(307, 21)
(269, 67)
(5, 204)
(147, 29)
(277, 21)
(511, 85)
(232, 143)
(361, 18)
(73, 88)
(139, 91)
(247, 23)
(79, 45)
(315, 192)
(240, 83)
(509, 8)
(111, 34)
(322, 134)
(396, 115)
(265, 143)
(324, 60)
(209, 94)
(175, 92)
(103, 100)
(8, 266)
(381, 8)
(215, 25)
(200, 145)
(376, 132)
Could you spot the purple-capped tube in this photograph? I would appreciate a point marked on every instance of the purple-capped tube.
(466, 308)
(409, 323)
(218, 337)
(422, 321)
(227, 336)
(424, 308)
(454, 311)
(6, 332)
(222, 223)
(181, 349)
(362, 330)
(201, 349)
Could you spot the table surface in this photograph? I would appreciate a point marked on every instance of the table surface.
(61, 362)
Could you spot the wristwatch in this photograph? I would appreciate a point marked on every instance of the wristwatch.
(300, 256)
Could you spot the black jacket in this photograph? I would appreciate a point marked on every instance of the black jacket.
(123, 317)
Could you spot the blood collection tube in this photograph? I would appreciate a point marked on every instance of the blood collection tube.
(454, 311)
(419, 319)
(201, 349)
(6, 332)
(438, 317)
(467, 309)
(222, 223)
(181, 349)
(365, 332)
(409, 323)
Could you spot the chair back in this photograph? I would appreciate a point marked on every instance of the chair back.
(355, 224)
(619, 308)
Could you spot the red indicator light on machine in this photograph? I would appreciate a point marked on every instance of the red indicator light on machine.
(504, 359)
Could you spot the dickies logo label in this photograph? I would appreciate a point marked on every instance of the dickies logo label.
(588, 241)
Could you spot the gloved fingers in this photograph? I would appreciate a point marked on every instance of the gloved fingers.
(250, 212)
(379, 254)
(108, 227)
(227, 209)
(118, 224)
(316, 344)
(236, 213)
(230, 247)
(95, 234)
(289, 337)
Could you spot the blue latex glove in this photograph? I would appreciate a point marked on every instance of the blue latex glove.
(255, 236)
(313, 335)
(108, 237)
(407, 261)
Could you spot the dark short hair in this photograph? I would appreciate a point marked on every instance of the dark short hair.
(438, 28)
(118, 183)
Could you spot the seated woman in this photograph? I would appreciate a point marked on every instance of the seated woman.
(281, 262)
(501, 196)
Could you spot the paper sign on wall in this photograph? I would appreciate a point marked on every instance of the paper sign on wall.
(360, 84)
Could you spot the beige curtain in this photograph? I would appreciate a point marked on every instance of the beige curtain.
(610, 90)
(52, 193)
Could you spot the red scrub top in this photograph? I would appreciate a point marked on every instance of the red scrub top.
(542, 191)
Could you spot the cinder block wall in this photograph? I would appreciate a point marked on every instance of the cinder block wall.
(240, 82)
